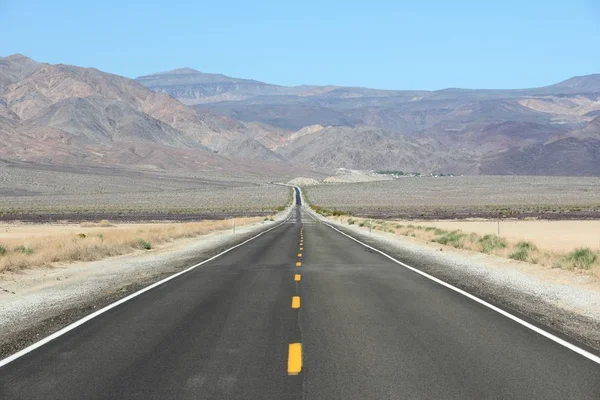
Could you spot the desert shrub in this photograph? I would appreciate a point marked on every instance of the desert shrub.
(24, 250)
(362, 223)
(351, 221)
(581, 258)
(81, 235)
(2, 250)
(473, 237)
(522, 251)
(526, 245)
(520, 254)
(489, 243)
(454, 239)
(144, 244)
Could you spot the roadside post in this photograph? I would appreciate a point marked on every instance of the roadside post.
(234, 226)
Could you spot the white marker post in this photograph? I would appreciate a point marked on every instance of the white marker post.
(234, 226)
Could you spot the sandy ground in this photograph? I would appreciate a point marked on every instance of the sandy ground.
(37, 302)
(549, 235)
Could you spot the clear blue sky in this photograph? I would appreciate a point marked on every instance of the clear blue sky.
(392, 44)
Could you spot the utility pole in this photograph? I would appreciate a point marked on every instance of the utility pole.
(370, 224)
(498, 227)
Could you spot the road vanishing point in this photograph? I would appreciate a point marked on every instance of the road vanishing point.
(300, 311)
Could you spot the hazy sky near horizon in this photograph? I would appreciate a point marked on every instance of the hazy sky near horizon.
(387, 44)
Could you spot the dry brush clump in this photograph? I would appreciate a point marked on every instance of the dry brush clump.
(19, 253)
(581, 259)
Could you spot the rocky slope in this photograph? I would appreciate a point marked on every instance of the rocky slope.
(371, 149)
(66, 114)
(523, 131)
(576, 153)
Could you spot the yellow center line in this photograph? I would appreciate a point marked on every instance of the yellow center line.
(296, 302)
(295, 358)
(298, 264)
(299, 254)
(297, 277)
(301, 248)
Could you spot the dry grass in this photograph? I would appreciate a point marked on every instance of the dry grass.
(561, 236)
(580, 259)
(30, 251)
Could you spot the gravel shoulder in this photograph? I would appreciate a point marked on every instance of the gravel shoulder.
(563, 302)
(37, 302)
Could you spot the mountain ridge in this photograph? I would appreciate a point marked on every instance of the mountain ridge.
(77, 115)
(57, 113)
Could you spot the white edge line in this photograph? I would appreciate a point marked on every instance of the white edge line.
(85, 319)
(518, 320)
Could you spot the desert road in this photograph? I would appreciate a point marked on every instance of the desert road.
(300, 312)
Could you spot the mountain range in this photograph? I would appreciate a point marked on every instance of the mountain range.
(70, 115)
(193, 121)
(522, 131)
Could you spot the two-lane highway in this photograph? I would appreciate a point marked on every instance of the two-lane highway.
(301, 312)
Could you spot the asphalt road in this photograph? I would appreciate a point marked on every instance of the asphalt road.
(366, 327)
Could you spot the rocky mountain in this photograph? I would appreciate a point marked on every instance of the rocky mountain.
(576, 153)
(14, 68)
(373, 148)
(519, 131)
(194, 87)
(66, 114)
(80, 92)
(577, 84)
